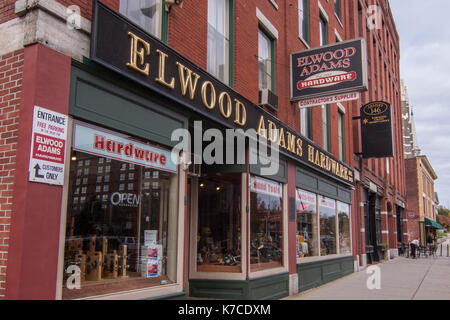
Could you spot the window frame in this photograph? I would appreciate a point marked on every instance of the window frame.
(304, 25)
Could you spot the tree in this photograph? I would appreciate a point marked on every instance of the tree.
(444, 212)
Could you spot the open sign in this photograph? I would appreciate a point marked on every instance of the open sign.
(125, 199)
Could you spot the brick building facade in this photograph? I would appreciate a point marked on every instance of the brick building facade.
(46, 63)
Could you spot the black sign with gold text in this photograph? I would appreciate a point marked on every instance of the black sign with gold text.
(123, 47)
(376, 130)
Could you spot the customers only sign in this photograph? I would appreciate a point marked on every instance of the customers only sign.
(48, 146)
(329, 70)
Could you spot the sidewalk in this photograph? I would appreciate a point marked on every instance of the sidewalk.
(401, 279)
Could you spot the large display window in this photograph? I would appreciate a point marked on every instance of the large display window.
(219, 223)
(307, 230)
(266, 224)
(327, 212)
(122, 214)
(345, 245)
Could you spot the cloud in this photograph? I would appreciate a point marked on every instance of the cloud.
(425, 67)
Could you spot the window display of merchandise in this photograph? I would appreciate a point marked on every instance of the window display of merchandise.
(307, 232)
(266, 224)
(327, 211)
(121, 227)
(345, 245)
(219, 224)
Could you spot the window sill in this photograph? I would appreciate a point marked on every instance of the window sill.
(140, 294)
(268, 272)
(325, 258)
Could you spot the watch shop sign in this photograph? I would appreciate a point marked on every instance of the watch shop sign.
(48, 146)
(329, 70)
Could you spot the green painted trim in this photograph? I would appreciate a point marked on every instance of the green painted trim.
(272, 49)
(317, 273)
(264, 288)
(231, 45)
(342, 119)
(173, 296)
(164, 23)
(306, 21)
(337, 9)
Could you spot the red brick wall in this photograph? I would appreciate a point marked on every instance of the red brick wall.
(11, 68)
(7, 10)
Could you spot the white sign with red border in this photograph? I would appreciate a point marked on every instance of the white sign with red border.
(105, 143)
(268, 187)
(338, 98)
(306, 201)
(327, 203)
(48, 146)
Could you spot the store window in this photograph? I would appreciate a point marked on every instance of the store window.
(145, 13)
(122, 240)
(266, 224)
(218, 58)
(345, 245)
(327, 212)
(307, 230)
(219, 223)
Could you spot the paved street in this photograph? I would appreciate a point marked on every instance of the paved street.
(401, 279)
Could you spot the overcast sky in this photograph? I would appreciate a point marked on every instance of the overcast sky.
(424, 32)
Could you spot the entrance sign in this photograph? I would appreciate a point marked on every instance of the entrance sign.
(48, 147)
(376, 130)
(329, 70)
(100, 142)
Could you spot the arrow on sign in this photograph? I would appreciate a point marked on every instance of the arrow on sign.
(37, 168)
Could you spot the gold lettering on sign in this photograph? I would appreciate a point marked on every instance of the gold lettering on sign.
(186, 80)
(241, 113)
(272, 134)
(226, 96)
(261, 128)
(290, 142)
(299, 147)
(212, 102)
(281, 140)
(136, 53)
(162, 71)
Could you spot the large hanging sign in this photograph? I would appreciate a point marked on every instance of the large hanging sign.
(48, 147)
(101, 142)
(121, 46)
(329, 70)
(376, 130)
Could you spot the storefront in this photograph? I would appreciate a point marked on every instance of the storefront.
(135, 223)
(323, 232)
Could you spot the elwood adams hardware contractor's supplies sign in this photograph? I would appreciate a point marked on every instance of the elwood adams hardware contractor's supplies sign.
(329, 70)
(48, 147)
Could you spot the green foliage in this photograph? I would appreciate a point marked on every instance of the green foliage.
(444, 211)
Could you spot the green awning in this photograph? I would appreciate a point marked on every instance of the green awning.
(432, 224)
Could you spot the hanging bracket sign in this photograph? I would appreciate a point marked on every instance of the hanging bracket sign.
(48, 147)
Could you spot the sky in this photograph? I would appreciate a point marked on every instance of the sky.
(425, 67)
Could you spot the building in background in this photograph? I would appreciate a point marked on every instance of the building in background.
(422, 217)
(410, 142)
(380, 196)
(139, 225)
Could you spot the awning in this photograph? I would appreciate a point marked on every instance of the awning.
(432, 224)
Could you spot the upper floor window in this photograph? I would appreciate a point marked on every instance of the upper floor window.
(265, 60)
(218, 59)
(325, 127)
(303, 20)
(341, 136)
(305, 122)
(145, 13)
(337, 8)
(323, 30)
